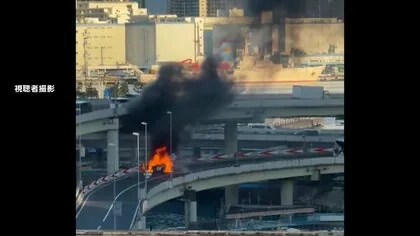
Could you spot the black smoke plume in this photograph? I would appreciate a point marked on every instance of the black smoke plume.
(189, 99)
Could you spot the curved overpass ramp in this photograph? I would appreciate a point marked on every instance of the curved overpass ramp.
(221, 177)
(95, 209)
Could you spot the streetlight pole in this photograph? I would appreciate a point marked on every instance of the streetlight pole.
(85, 38)
(79, 110)
(145, 158)
(115, 185)
(138, 164)
(170, 141)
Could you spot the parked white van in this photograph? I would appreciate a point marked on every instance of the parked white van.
(256, 128)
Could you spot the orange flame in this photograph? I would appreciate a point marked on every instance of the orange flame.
(160, 158)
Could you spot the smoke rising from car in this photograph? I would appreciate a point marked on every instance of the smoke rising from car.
(188, 99)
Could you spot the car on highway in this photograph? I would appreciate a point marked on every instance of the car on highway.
(156, 169)
(256, 128)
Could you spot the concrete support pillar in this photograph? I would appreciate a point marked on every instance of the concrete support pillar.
(140, 224)
(113, 151)
(190, 207)
(193, 211)
(141, 219)
(231, 138)
(197, 152)
(286, 193)
(231, 195)
(186, 213)
(315, 175)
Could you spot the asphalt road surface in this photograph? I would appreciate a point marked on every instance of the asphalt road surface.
(96, 213)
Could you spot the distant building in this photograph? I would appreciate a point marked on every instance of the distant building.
(104, 44)
(163, 40)
(201, 8)
(107, 11)
(157, 7)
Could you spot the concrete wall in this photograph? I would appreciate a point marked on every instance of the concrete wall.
(175, 41)
(140, 44)
(105, 44)
(314, 38)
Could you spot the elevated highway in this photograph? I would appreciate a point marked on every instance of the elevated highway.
(95, 209)
(247, 110)
(241, 110)
(244, 173)
(98, 140)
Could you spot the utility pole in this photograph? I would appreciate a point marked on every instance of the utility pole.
(85, 37)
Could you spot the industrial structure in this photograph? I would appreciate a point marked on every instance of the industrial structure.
(119, 35)
(153, 42)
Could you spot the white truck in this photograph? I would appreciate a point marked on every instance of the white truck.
(308, 92)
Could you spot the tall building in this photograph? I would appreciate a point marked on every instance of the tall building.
(201, 8)
(214, 5)
(188, 8)
(157, 7)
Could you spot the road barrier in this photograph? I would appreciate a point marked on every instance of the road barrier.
(106, 179)
(79, 196)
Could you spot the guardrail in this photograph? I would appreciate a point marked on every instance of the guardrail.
(198, 233)
(268, 137)
(79, 196)
(106, 179)
(270, 152)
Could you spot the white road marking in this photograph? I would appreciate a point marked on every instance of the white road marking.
(92, 192)
(123, 191)
(113, 202)
(134, 216)
(99, 227)
(86, 199)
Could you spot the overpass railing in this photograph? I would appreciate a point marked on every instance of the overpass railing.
(123, 173)
(269, 137)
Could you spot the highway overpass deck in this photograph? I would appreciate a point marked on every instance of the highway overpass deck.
(241, 111)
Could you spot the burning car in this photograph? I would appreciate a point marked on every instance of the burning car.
(160, 162)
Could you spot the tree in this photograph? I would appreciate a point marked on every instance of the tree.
(123, 90)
